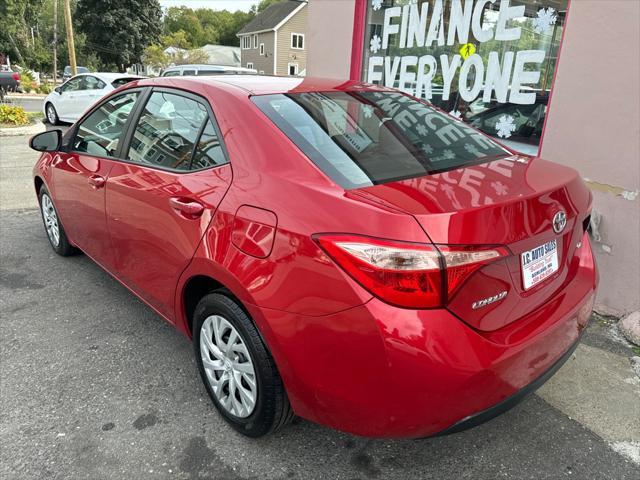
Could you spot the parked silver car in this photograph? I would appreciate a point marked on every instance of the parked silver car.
(206, 70)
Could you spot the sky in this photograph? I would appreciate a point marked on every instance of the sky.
(231, 5)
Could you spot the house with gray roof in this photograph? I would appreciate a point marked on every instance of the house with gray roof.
(274, 41)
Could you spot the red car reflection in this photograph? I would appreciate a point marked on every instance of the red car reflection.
(338, 251)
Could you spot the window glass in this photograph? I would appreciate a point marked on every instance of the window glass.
(122, 81)
(206, 72)
(474, 59)
(93, 83)
(364, 138)
(188, 72)
(167, 131)
(208, 152)
(99, 134)
(297, 40)
(73, 85)
(171, 73)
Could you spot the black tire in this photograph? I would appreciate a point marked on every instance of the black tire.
(51, 115)
(63, 247)
(272, 410)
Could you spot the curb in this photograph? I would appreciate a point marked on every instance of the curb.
(25, 96)
(37, 127)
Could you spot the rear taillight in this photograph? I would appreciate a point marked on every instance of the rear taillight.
(409, 275)
(15, 76)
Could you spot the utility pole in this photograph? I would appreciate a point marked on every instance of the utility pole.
(55, 43)
(70, 44)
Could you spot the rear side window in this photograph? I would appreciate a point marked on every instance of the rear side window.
(208, 151)
(363, 138)
(175, 133)
(99, 134)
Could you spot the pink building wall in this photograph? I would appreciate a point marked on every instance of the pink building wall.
(593, 123)
(594, 126)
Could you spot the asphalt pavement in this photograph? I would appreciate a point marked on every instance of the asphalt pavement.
(94, 385)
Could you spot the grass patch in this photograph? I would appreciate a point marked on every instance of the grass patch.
(636, 350)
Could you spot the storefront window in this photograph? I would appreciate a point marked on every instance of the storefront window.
(489, 62)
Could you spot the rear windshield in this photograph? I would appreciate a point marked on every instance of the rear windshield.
(122, 81)
(366, 138)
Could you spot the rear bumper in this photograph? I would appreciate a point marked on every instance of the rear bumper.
(381, 371)
(510, 402)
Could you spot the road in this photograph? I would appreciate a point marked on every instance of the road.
(94, 385)
(30, 104)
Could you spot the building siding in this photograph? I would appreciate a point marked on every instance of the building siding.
(252, 55)
(286, 54)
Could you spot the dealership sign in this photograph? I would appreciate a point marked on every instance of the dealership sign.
(509, 76)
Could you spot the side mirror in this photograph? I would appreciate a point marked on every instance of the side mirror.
(46, 141)
(58, 90)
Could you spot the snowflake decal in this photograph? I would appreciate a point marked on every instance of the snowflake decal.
(505, 126)
(472, 149)
(448, 155)
(428, 149)
(455, 113)
(546, 18)
(422, 130)
(375, 44)
(367, 111)
(376, 4)
(500, 188)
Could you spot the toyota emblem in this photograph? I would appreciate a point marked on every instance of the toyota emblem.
(559, 221)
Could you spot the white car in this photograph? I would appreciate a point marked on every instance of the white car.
(70, 100)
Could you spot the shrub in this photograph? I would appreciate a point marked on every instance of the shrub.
(13, 115)
(45, 89)
(27, 82)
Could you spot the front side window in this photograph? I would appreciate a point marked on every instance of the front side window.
(93, 83)
(167, 131)
(365, 138)
(73, 85)
(100, 133)
(172, 73)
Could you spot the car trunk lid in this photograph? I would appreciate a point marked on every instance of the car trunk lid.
(510, 202)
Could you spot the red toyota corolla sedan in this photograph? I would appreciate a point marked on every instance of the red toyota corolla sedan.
(340, 251)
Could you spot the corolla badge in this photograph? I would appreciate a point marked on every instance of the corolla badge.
(559, 221)
(487, 301)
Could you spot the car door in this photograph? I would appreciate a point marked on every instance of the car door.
(80, 172)
(65, 101)
(91, 90)
(160, 201)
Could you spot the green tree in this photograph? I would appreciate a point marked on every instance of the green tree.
(263, 5)
(119, 30)
(177, 39)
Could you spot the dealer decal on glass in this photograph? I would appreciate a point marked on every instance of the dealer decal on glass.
(511, 75)
(539, 263)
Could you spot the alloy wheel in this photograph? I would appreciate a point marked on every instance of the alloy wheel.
(51, 114)
(50, 220)
(228, 366)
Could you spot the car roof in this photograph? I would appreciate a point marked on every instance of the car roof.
(108, 76)
(262, 84)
